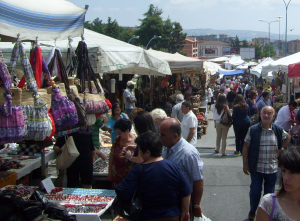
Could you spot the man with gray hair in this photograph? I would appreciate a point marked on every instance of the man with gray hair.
(176, 110)
(264, 142)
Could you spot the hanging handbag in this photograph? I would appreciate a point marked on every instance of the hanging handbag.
(39, 125)
(63, 110)
(12, 125)
(94, 99)
(72, 96)
(68, 155)
(132, 208)
(226, 119)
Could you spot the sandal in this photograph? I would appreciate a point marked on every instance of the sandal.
(216, 151)
(236, 152)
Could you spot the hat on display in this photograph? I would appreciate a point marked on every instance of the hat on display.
(130, 83)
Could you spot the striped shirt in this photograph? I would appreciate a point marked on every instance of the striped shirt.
(268, 150)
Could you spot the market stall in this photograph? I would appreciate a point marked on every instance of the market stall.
(86, 204)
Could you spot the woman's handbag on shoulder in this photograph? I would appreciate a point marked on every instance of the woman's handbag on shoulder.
(254, 119)
(68, 155)
(226, 119)
(132, 208)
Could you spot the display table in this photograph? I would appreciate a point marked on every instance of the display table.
(86, 204)
(29, 164)
(100, 170)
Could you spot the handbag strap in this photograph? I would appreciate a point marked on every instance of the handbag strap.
(273, 206)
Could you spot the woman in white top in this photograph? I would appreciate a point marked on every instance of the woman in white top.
(210, 97)
(222, 130)
(284, 205)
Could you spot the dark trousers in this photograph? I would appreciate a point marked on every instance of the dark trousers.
(256, 187)
(240, 131)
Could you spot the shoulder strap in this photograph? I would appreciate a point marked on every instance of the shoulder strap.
(139, 176)
(273, 206)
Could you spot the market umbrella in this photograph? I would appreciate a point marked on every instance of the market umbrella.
(47, 20)
(294, 70)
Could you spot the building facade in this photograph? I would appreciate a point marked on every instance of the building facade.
(191, 47)
(263, 41)
(212, 48)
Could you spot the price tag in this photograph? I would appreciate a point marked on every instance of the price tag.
(48, 184)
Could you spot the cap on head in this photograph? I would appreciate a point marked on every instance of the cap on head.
(129, 83)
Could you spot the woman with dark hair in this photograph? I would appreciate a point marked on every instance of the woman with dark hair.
(118, 168)
(241, 122)
(219, 109)
(117, 114)
(163, 186)
(143, 122)
(284, 205)
(252, 106)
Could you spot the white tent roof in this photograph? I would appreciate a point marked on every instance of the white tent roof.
(107, 55)
(282, 63)
(236, 60)
(220, 59)
(211, 67)
(47, 20)
(257, 70)
(176, 61)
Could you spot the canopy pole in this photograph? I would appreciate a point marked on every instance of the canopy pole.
(288, 87)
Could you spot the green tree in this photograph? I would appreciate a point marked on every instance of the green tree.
(266, 51)
(151, 25)
(235, 42)
(112, 29)
(245, 44)
(95, 25)
(258, 50)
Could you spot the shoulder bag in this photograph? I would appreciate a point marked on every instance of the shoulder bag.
(12, 125)
(39, 125)
(132, 208)
(68, 155)
(226, 119)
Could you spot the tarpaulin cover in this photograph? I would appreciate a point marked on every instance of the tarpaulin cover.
(227, 73)
(294, 70)
(47, 20)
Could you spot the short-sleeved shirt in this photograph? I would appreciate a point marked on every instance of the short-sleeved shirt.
(268, 150)
(176, 111)
(128, 93)
(252, 107)
(83, 142)
(189, 121)
(266, 204)
(162, 186)
(111, 123)
(262, 103)
(188, 159)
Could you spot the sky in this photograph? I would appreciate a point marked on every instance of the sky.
(199, 14)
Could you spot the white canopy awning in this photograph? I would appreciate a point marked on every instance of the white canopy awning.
(258, 69)
(177, 62)
(107, 55)
(47, 20)
(282, 63)
(220, 59)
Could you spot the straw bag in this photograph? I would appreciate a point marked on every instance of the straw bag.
(74, 111)
(39, 125)
(12, 125)
(68, 155)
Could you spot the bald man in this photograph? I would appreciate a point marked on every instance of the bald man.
(178, 150)
(264, 142)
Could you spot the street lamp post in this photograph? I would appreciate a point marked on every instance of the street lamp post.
(279, 42)
(132, 37)
(286, 8)
(152, 39)
(284, 34)
(269, 31)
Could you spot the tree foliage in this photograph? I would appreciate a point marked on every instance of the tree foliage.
(172, 39)
(258, 50)
(235, 42)
(245, 44)
(266, 51)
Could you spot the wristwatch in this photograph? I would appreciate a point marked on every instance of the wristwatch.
(196, 206)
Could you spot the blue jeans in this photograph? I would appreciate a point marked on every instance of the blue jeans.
(128, 111)
(256, 187)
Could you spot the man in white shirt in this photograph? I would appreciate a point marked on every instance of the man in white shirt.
(284, 116)
(129, 98)
(189, 123)
(176, 110)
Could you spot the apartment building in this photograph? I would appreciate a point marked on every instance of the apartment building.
(212, 48)
(191, 47)
(263, 41)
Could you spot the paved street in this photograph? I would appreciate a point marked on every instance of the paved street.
(226, 188)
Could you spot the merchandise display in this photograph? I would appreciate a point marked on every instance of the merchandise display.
(6, 164)
(22, 191)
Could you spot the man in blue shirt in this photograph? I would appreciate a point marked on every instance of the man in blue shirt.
(179, 151)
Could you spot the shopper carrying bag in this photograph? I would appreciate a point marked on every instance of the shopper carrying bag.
(68, 154)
